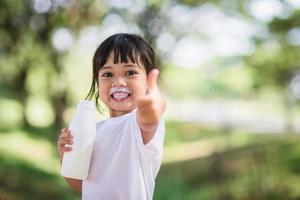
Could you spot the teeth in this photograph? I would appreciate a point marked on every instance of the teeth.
(120, 95)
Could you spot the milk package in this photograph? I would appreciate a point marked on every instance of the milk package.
(76, 163)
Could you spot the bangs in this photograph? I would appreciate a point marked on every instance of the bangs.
(124, 52)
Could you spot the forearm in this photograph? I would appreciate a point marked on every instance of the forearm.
(148, 122)
(75, 184)
(147, 131)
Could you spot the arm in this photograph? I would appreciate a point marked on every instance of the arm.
(66, 138)
(150, 108)
(75, 184)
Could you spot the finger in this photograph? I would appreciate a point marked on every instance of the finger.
(63, 132)
(66, 149)
(63, 141)
(66, 133)
(152, 78)
(69, 135)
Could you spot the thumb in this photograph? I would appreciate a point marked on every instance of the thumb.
(152, 78)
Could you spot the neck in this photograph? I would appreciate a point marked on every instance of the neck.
(116, 113)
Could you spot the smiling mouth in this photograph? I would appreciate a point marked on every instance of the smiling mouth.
(120, 96)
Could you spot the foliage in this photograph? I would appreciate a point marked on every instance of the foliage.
(39, 82)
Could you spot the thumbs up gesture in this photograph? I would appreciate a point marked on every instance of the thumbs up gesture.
(151, 106)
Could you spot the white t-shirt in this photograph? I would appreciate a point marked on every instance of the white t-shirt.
(122, 167)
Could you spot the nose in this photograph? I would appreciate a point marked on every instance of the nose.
(119, 81)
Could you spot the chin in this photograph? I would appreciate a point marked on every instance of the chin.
(124, 108)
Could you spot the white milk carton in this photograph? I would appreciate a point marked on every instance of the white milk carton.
(76, 163)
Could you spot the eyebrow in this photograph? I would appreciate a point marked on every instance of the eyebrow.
(126, 65)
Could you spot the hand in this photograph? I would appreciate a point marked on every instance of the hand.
(152, 105)
(64, 138)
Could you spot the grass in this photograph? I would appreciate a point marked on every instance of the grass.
(199, 163)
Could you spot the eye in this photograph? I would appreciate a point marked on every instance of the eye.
(130, 73)
(107, 74)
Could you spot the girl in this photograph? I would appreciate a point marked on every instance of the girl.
(128, 147)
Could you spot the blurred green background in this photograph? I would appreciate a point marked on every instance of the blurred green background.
(230, 70)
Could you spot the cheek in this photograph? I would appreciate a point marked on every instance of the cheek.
(102, 88)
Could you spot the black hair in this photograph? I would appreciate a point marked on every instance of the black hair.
(125, 47)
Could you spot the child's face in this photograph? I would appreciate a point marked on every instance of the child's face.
(121, 85)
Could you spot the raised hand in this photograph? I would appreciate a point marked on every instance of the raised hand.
(152, 105)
